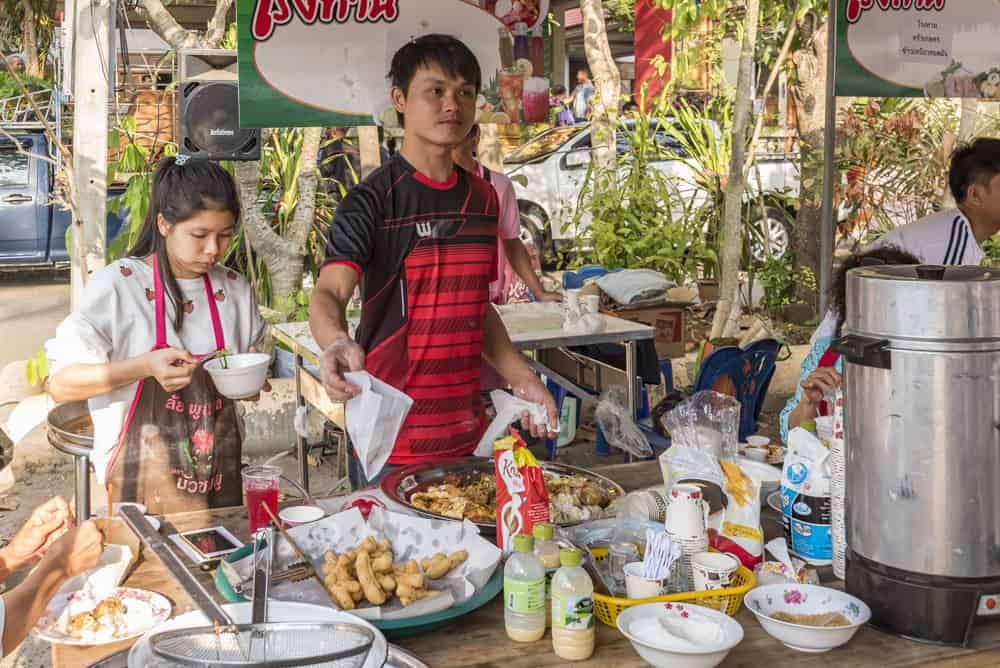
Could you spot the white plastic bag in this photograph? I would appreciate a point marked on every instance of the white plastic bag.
(805, 498)
(619, 428)
(707, 421)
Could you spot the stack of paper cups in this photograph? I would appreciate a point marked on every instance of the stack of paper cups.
(838, 482)
(687, 526)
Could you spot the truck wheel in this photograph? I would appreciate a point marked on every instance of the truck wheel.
(535, 230)
(774, 229)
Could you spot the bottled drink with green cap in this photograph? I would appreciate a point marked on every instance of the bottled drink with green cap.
(573, 630)
(547, 550)
(524, 592)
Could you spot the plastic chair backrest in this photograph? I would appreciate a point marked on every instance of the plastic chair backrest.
(743, 373)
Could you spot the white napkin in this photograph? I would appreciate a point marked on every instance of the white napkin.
(374, 419)
(509, 409)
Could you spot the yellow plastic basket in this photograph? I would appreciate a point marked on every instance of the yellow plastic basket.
(726, 600)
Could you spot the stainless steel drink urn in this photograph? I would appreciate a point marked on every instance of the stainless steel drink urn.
(921, 349)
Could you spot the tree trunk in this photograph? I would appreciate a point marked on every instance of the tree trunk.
(29, 42)
(607, 82)
(809, 94)
(162, 22)
(729, 279)
(284, 256)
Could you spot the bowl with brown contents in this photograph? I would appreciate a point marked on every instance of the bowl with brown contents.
(807, 618)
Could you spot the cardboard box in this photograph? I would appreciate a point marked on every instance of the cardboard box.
(668, 320)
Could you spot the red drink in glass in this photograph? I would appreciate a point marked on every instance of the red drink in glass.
(260, 484)
(536, 100)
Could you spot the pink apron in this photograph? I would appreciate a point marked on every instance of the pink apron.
(178, 451)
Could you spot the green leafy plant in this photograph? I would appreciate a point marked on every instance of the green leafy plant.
(646, 221)
(294, 308)
(780, 280)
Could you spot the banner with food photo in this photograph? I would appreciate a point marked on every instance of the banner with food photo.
(324, 62)
(917, 48)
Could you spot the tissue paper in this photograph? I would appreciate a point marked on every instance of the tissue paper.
(509, 410)
(374, 419)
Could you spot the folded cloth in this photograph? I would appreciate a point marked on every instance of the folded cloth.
(635, 285)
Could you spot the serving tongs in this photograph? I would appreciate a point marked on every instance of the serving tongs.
(294, 573)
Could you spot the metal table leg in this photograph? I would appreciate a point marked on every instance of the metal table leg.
(300, 441)
(82, 482)
(630, 383)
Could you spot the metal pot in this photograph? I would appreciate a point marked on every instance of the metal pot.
(64, 425)
(922, 435)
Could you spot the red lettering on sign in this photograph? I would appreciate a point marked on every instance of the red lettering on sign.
(270, 13)
(855, 8)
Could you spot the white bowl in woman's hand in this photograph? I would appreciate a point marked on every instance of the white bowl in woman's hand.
(239, 376)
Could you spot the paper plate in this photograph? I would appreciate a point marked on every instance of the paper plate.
(146, 610)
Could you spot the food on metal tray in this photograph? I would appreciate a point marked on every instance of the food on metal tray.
(572, 498)
(370, 573)
(825, 619)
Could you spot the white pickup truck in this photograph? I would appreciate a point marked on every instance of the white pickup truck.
(554, 165)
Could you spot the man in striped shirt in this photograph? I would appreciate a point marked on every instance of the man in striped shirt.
(955, 236)
(421, 237)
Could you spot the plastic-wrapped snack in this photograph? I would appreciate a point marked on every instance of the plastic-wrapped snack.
(522, 498)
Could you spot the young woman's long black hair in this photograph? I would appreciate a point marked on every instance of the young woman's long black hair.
(180, 191)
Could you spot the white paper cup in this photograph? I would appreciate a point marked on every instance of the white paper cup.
(296, 515)
(824, 427)
(758, 441)
(590, 303)
(637, 586)
(713, 570)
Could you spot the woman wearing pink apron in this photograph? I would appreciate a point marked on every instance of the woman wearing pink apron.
(163, 435)
(179, 451)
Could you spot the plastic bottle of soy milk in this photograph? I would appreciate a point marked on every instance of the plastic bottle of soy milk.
(547, 550)
(572, 608)
(524, 592)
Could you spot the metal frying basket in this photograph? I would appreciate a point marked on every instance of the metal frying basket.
(275, 645)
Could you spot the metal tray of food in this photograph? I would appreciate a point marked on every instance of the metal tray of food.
(582, 485)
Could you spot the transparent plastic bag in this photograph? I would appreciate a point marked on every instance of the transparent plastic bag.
(619, 428)
(707, 421)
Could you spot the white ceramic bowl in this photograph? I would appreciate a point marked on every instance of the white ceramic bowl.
(239, 376)
(806, 600)
(756, 454)
(669, 655)
(758, 441)
(769, 476)
(294, 516)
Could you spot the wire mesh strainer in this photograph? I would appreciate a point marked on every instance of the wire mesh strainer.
(276, 645)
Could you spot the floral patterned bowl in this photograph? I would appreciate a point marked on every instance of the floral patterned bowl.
(800, 599)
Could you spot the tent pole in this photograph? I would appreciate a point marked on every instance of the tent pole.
(826, 236)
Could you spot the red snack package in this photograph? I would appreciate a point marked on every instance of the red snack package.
(522, 499)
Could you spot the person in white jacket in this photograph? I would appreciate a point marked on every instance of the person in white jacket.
(956, 236)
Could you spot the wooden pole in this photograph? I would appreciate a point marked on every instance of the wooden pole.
(94, 69)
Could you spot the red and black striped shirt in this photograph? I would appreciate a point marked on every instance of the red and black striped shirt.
(425, 252)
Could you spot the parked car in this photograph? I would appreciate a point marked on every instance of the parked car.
(32, 228)
(554, 165)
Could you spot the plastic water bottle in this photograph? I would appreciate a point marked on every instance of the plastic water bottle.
(547, 550)
(524, 592)
(573, 630)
